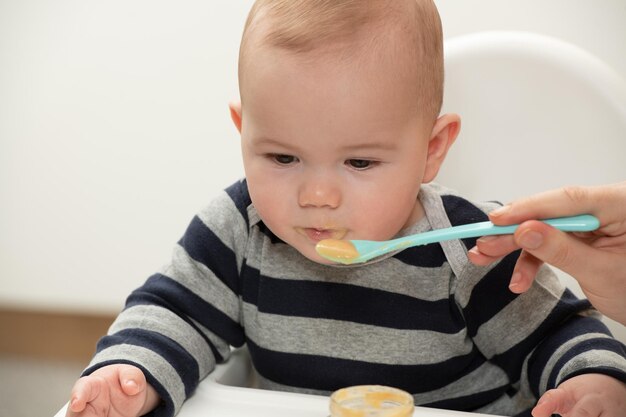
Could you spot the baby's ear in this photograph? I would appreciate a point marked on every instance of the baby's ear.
(235, 113)
(443, 135)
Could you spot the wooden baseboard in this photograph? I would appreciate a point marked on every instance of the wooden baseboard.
(51, 335)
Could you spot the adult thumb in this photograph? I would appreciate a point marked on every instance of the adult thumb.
(558, 249)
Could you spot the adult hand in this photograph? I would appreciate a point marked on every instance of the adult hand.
(597, 260)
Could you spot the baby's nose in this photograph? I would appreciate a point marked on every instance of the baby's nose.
(319, 192)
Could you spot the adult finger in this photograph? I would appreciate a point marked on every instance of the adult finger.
(524, 273)
(606, 202)
(478, 258)
(497, 246)
(558, 249)
(490, 249)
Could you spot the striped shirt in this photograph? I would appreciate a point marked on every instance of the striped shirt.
(425, 319)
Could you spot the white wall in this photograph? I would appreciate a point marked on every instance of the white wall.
(114, 128)
(596, 26)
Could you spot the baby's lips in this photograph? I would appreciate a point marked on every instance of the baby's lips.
(333, 232)
(320, 233)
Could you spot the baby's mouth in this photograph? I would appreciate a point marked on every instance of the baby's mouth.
(317, 234)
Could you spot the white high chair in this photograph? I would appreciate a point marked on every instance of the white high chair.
(537, 113)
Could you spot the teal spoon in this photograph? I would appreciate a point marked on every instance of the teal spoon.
(358, 251)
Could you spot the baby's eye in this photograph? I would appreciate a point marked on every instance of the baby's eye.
(360, 164)
(282, 159)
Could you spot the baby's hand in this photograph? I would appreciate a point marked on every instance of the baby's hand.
(112, 391)
(588, 395)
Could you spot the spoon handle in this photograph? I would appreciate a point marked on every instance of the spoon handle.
(580, 223)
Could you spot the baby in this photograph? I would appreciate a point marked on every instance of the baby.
(341, 136)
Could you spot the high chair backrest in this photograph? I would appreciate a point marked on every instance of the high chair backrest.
(537, 113)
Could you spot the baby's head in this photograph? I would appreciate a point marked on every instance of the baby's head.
(353, 33)
(339, 115)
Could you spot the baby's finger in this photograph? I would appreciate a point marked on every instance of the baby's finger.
(85, 390)
(132, 380)
(554, 401)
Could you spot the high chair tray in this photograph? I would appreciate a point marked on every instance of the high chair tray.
(228, 392)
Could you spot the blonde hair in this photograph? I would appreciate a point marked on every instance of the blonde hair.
(304, 26)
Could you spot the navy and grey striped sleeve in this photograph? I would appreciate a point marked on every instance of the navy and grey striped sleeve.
(183, 320)
(541, 337)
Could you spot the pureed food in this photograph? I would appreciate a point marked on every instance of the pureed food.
(371, 401)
